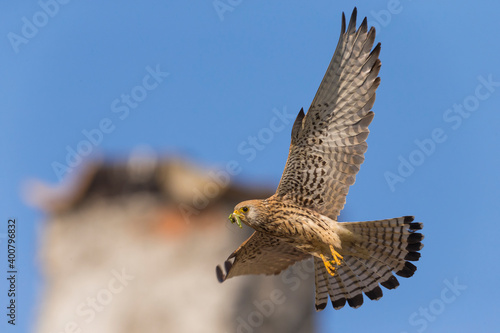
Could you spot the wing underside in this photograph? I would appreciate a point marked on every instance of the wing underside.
(260, 254)
(328, 143)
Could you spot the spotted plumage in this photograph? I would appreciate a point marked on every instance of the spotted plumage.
(300, 220)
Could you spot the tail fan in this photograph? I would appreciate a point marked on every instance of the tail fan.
(391, 246)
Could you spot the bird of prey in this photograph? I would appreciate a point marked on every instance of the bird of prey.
(300, 220)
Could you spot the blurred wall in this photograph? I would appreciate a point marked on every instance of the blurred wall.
(132, 245)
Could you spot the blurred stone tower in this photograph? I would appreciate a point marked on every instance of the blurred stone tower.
(131, 246)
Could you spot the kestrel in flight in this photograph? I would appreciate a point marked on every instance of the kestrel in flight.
(300, 219)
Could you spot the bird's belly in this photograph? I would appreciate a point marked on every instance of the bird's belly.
(312, 236)
(314, 248)
(310, 244)
(308, 248)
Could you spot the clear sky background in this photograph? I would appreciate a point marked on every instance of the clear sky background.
(436, 120)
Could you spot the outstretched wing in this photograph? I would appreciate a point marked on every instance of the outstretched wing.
(260, 254)
(328, 143)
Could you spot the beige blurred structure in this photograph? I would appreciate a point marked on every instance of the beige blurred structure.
(132, 246)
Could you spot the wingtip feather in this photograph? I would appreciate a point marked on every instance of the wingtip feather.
(339, 303)
(342, 28)
(356, 301)
(352, 20)
(364, 25)
(320, 307)
(408, 270)
(221, 277)
(390, 283)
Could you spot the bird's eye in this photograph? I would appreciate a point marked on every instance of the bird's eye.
(244, 209)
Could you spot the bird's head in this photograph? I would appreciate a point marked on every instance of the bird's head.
(250, 212)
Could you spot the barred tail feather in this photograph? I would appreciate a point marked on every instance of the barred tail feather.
(321, 282)
(391, 245)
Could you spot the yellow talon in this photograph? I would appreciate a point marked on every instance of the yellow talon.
(331, 265)
(328, 265)
(336, 256)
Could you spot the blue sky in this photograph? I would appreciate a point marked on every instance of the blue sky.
(433, 148)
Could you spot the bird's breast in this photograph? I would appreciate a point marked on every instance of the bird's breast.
(307, 232)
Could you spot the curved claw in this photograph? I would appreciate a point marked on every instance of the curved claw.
(331, 265)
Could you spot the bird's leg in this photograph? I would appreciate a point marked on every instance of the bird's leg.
(331, 265)
(336, 256)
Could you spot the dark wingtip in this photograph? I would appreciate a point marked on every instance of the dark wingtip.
(416, 226)
(408, 270)
(320, 307)
(297, 125)
(412, 226)
(391, 283)
(364, 23)
(342, 29)
(220, 275)
(409, 219)
(352, 20)
(415, 238)
(412, 256)
(375, 294)
(227, 265)
(376, 51)
(339, 303)
(414, 247)
(356, 301)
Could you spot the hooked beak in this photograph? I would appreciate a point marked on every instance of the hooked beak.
(235, 217)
